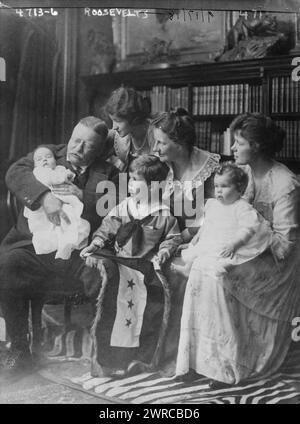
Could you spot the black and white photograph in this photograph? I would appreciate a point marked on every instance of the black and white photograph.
(149, 204)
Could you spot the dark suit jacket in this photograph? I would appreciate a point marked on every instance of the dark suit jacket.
(28, 190)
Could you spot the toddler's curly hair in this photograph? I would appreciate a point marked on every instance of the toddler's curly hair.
(236, 174)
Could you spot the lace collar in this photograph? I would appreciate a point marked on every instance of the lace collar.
(202, 165)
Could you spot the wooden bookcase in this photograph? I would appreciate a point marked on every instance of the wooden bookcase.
(214, 93)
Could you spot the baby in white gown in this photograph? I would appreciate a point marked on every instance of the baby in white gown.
(47, 237)
(233, 231)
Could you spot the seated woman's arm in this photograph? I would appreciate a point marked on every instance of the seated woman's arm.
(172, 237)
(285, 224)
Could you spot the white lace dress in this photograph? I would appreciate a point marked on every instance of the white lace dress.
(62, 239)
(223, 224)
(237, 325)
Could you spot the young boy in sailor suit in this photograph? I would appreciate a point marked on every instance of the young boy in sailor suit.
(141, 226)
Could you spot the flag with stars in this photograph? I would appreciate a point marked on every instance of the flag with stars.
(129, 311)
(131, 303)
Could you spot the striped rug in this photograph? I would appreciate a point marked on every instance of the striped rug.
(282, 387)
(75, 346)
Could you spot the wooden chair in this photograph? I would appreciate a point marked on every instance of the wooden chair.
(66, 297)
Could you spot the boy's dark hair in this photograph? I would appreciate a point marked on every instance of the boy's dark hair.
(150, 168)
(237, 175)
(95, 124)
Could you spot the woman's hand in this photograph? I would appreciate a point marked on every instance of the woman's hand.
(227, 251)
(181, 247)
(67, 189)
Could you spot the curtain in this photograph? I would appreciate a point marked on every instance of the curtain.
(34, 113)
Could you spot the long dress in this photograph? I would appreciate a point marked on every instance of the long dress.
(237, 326)
(186, 196)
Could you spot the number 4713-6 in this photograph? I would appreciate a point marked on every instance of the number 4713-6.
(36, 12)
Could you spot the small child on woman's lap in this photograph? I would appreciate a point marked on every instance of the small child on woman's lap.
(233, 232)
(140, 226)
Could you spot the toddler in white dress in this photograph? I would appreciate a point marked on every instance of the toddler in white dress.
(233, 232)
(47, 237)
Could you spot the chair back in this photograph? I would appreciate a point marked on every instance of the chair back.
(13, 207)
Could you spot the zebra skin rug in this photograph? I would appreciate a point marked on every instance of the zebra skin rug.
(152, 388)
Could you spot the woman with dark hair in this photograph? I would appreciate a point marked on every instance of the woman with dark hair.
(238, 323)
(131, 134)
(190, 167)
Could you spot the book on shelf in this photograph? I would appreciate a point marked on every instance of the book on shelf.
(226, 143)
(285, 95)
(233, 99)
(203, 134)
(212, 140)
(226, 99)
(291, 148)
(164, 98)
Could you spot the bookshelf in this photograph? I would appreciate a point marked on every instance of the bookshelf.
(214, 93)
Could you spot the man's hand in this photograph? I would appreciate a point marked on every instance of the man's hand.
(67, 189)
(53, 209)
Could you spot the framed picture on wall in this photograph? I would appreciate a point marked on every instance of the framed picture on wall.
(169, 36)
(159, 38)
